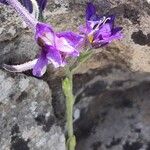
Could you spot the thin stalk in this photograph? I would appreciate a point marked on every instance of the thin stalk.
(68, 91)
(26, 16)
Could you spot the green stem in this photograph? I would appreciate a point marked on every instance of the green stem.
(69, 107)
(68, 91)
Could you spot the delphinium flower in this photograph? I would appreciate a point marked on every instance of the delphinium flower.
(98, 30)
(55, 47)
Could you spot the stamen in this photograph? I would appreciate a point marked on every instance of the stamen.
(105, 20)
(26, 16)
(101, 22)
(96, 27)
(91, 37)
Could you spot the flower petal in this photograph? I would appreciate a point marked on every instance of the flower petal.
(90, 11)
(117, 29)
(103, 32)
(44, 34)
(82, 29)
(71, 37)
(75, 53)
(63, 46)
(42, 4)
(54, 56)
(27, 4)
(111, 20)
(41, 65)
(4, 2)
(20, 68)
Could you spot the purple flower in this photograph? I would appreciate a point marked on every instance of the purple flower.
(55, 49)
(98, 30)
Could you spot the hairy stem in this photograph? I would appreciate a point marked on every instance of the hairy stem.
(68, 91)
(26, 16)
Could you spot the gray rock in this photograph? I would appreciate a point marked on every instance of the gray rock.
(17, 43)
(114, 110)
(26, 116)
(18, 51)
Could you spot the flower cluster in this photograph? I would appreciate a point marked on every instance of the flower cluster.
(57, 47)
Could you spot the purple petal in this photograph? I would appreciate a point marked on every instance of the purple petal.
(27, 4)
(111, 20)
(63, 45)
(117, 29)
(75, 53)
(71, 37)
(91, 25)
(44, 34)
(116, 36)
(99, 44)
(104, 32)
(54, 56)
(42, 4)
(90, 11)
(82, 29)
(41, 65)
(4, 2)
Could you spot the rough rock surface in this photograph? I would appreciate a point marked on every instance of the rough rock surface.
(26, 116)
(112, 88)
(114, 110)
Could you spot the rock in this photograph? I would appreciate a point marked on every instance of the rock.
(27, 121)
(18, 51)
(16, 42)
(114, 110)
(11, 24)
